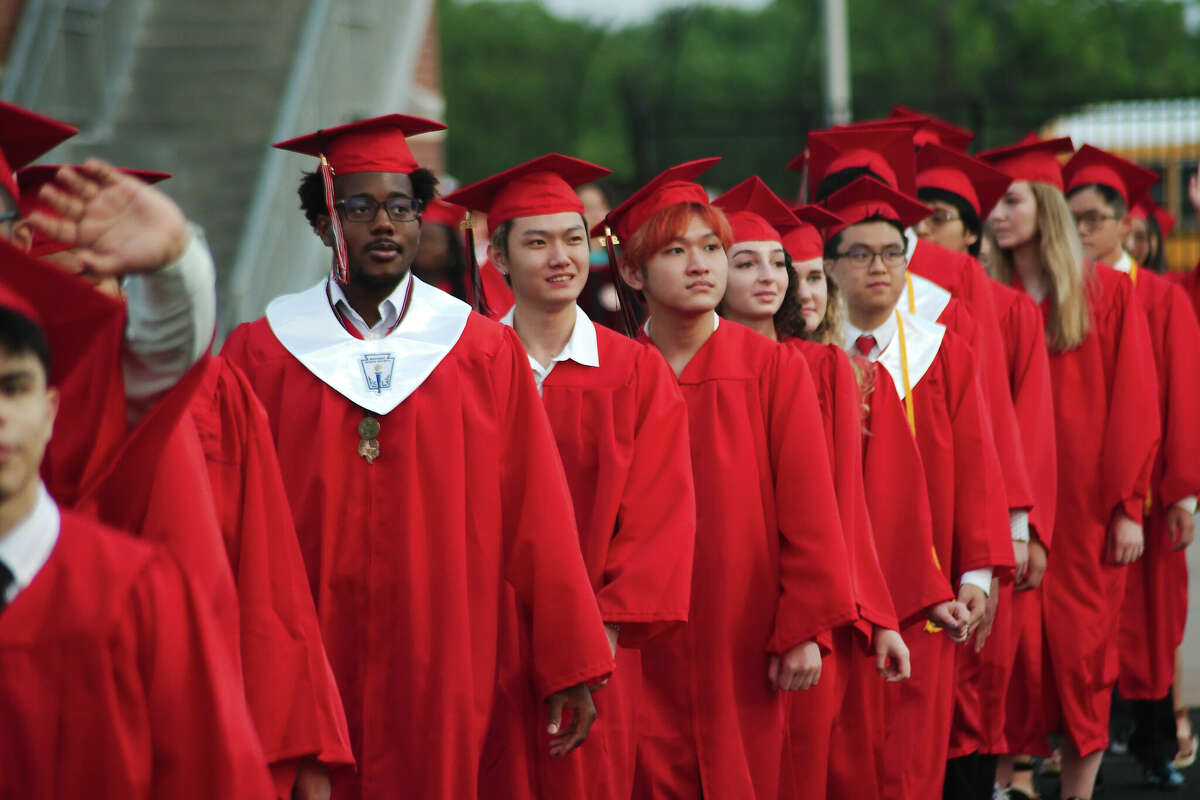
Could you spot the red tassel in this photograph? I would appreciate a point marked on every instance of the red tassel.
(478, 300)
(624, 295)
(341, 261)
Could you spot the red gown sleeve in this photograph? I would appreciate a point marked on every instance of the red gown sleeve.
(846, 458)
(1033, 399)
(203, 741)
(290, 687)
(980, 510)
(1131, 438)
(898, 500)
(648, 574)
(815, 591)
(1181, 390)
(543, 561)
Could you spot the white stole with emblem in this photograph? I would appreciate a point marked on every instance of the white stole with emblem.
(376, 374)
(923, 339)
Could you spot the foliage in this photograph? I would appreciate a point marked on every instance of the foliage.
(708, 80)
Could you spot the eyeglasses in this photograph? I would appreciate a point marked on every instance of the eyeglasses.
(364, 209)
(940, 218)
(11, 216)
(863, 257)
(1092, 219)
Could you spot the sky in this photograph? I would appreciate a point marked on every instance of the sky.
(624, 12)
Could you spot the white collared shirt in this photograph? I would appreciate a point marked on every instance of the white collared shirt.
(26, 548)
(389, 309)
(1124, 263)
(883, 336)
(580, 348)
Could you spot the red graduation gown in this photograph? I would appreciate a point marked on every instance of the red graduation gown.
(621, 430)
(966, 280)
(290, 688)
(407, 556)
(770, 573)
(114, 682)
(864, 737)
(813, 713)
(1190, 281)
(1011, 708)
(1107, 431)
(970, 531)
(1155, 608)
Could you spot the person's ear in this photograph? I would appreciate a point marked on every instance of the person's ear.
(1124, 226)
(498, 259)
(970, 237)
(324, 228)
(634, 278)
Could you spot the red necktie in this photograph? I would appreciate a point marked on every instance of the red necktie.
(865, 344)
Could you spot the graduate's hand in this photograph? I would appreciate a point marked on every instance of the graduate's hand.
(1021, 559)
(1037, 567)
(312, 781)
(1181, 526)
(116, 223)
(578, 699)
(891, 655)
(989, 616)
(951, 616)
(1125, 540)
(798, 668)
(975, 600)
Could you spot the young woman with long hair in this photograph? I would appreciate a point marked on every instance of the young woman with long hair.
(1107, 430)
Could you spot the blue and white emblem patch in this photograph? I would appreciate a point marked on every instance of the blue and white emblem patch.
(377, 371)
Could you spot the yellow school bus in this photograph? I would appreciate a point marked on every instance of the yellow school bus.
(1163, 135)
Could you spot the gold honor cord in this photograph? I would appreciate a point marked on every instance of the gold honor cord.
(912, 301)
(911, 414)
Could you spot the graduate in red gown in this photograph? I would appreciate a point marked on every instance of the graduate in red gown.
(771, 577)
(759, 279)
(114, 681)
(935, 373)
(423, 476)
(1099, 189)
(961, 191)
(621, 427)
(1149, 227)
(243, 555)
(1107, 428)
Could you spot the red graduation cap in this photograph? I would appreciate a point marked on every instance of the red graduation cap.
(1093, 165)
(1031, 159)
(885, 150)
(545, 185)
(867, 198)
(806, 242)
(1146, 207)
(940, 167)
(931, 130)
(370, 145)
(439, 212)
(30, 181)
(12, 301)
(670, 187)
(25, 135)
(755, 213)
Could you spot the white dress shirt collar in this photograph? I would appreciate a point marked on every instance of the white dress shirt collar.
(883, 336)
(580, 348)
(1124, 263)
(389, 309)
(26, 548)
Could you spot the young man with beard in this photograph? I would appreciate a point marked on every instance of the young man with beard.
(422, 474)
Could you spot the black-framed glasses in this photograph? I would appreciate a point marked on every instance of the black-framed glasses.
(11, 216)
(364, 209)
(940, 218)
(863, 257)
(1092, 219)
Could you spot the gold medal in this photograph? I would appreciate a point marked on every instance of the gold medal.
(368, 445)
